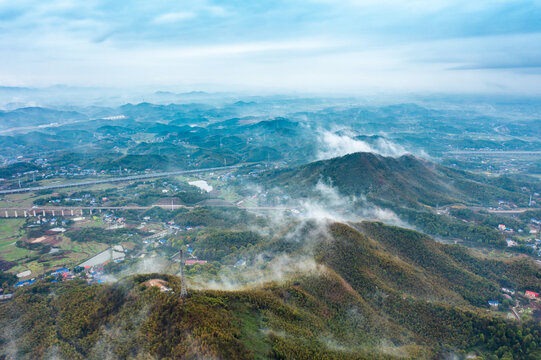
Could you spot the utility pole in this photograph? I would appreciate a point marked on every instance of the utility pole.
(183, 291)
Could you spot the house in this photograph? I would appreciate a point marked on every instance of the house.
(508, 291)
(502, 227)
(493, 304)
(531, 294)
(511, 243)
(240, 263)
(23, 283)
(6, 296)
(60, 271)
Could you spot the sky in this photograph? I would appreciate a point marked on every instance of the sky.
(315, 46)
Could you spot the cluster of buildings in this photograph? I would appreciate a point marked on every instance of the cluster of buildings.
(532, 240)
(43, 220)
(113, 219)
(193, 260)
(534, 244)
(504, 228)
(520, 303)
(92, 274)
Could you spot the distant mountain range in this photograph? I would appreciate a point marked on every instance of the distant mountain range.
(35, 116)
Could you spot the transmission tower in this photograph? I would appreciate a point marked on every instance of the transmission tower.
(183, 291)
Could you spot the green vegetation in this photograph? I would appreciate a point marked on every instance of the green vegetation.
(10, 227)
(7, 279)
(100, 235)
(216, 217)
(406, 181)
(137, 193)
(215, 245)
(17, 168)
(371, 291)
(381, 293)
(447, 227)
(9, 252)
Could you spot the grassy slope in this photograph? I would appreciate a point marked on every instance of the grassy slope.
(8, 236)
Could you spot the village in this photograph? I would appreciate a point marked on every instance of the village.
(518, 305)
(529, 239)
(55, 245)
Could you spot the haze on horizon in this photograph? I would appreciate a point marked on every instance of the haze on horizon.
(454, 46)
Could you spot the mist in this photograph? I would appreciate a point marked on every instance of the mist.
(332, 144)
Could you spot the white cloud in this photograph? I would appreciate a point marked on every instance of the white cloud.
(217, 10)
(309, 47)
(243, 48)
(416, 6)
(174, 17)
(332, 144)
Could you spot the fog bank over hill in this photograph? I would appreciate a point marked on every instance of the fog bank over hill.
(343, 142)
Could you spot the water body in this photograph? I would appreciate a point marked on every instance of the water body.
(202, 184)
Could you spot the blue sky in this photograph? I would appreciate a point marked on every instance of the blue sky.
(348, 46)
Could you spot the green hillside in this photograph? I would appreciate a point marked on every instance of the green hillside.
(378, 292)
(406, 180)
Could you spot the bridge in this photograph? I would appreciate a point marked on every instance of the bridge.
(70, 211)
(66, 211)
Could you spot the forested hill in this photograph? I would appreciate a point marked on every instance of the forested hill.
(404, 180)
(378, 292)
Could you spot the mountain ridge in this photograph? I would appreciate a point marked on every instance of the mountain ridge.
(406, 180)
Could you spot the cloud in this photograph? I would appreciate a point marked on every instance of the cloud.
(333, 144)
(174, 17)
(328, 205)
(293, 46)
(261, 270)
(325, 46)
(217, 10)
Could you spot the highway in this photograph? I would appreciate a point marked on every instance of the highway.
(495, 152)
(501, 211)
(118, 179)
